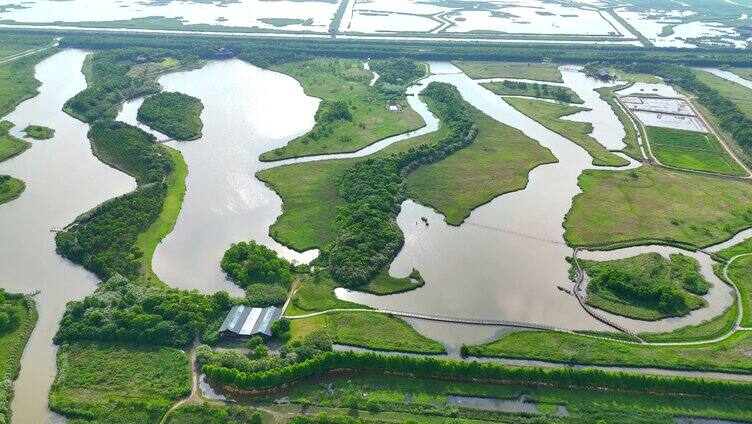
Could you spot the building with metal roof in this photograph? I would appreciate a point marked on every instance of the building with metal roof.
(244, 321)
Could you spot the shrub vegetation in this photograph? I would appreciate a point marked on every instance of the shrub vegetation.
(175, 115)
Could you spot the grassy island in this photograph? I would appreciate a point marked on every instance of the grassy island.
(533, 71)
(693, 150)
(647, 286)
(651, 203)
(549, 115)
(175, 115)
(18, 316)
(528, 89)
(352, 114)
(39, 132)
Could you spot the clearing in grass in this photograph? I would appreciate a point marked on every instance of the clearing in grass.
(549, 115)
(692, 150)
(652, 202)
(119, 383)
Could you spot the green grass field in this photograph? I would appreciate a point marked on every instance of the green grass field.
(533, 71)
(691, 150)
(39, 132)
(632, 148)
(148, 240)
(346, 81)
(497, 162)
(549, 114)
(730, 355)
(369, 330)
(737, 93)
(10, 146)
(427, 402)
(119, 383)
(17, 81)
(656, 203)
(13, 44)
(10, 188)
(633, 77)
(647, 270)
(543, 91)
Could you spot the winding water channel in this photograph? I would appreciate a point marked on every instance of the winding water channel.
(504, 262)
(63, 179)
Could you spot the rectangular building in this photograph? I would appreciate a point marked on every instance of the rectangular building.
(246, 322)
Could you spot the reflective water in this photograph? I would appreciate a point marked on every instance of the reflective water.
(507, 260)
(63, 180)
(247, 111)
(239, 13)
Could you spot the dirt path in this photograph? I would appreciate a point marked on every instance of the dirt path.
(29, 52)
(194, 397)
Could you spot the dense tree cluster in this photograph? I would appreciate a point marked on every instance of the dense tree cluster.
(400, 71)
(120, 310)
(176, 115)
(309, 347)
(366, 234)
(472, 371)
(730, 116)
(109, 83)
(541, 90)
(395, 75)
(668, 298)
(103, 240)
(11, 310)
(252, 263)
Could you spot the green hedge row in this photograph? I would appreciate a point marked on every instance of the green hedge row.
(459, 370)
(13, 364)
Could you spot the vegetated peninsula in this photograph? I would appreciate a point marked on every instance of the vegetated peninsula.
(10, 188)
(39, 132)
(175, 115)
(18, 316)
(655, 203)
(646, 287)
(10, 146)
(353, 113)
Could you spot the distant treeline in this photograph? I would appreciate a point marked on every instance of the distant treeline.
(366, 236)
(473, 371)
(104, 239)
(271, 50)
